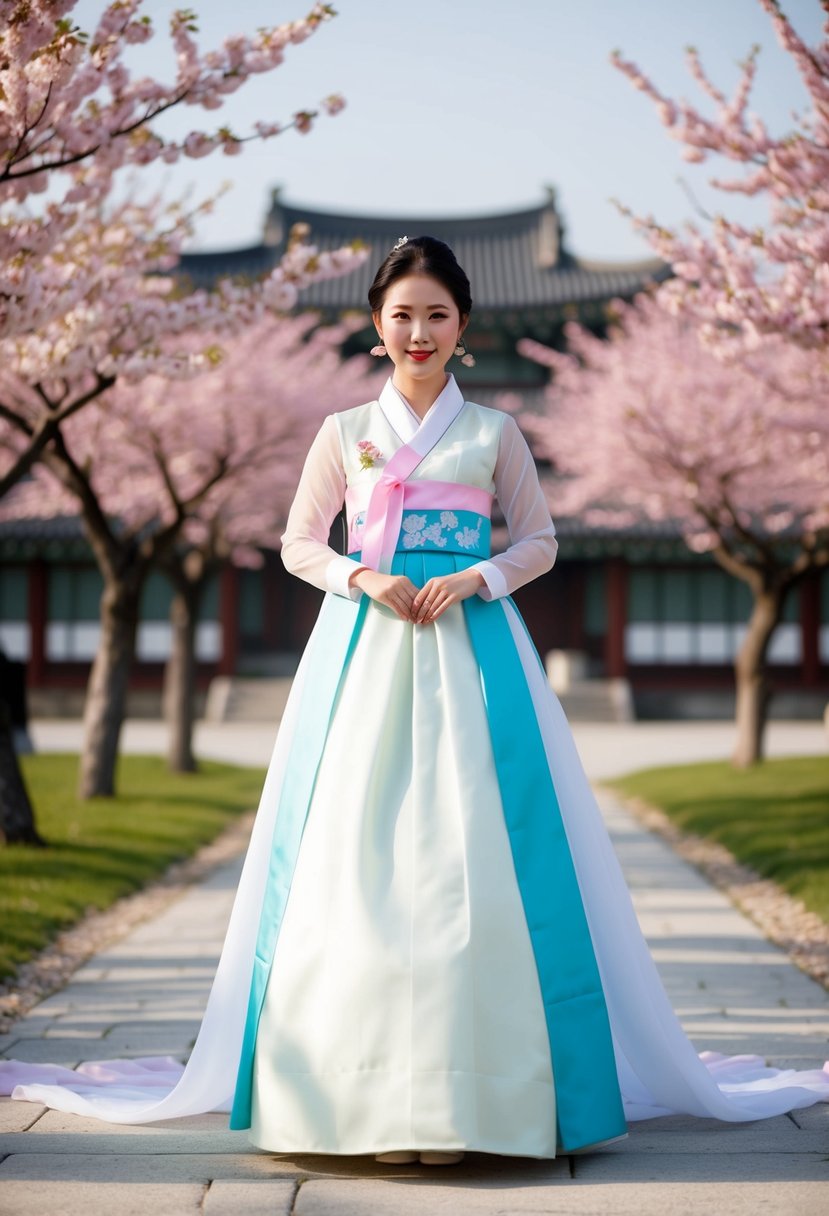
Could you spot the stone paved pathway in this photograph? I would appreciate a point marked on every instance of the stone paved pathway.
(144, 995)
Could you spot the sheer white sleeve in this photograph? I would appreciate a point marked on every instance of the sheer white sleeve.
(318, 499)
(533, 544)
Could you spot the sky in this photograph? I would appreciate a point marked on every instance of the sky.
(472, 107)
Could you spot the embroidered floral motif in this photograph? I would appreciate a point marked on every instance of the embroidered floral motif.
(469, 538)
(417, 533)
(369, 454)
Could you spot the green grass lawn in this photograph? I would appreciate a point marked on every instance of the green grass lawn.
(105, 848)
(773, 817)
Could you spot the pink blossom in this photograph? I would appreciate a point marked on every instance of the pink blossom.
(779, 270)
(85, 299)
(267, 129)
(369, 453)
(225, 450)
(198, 144)
(72, 114)
(649, 423)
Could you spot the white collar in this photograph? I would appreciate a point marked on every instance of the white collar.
(402, 418)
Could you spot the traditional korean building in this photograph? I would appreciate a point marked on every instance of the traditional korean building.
(525, 281)
(635, 608)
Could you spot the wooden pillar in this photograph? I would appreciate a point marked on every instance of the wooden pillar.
(614, 643)
(577, 599)
(810, 630)
(229, 619)
(38, 611)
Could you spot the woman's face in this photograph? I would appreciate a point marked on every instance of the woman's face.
(419, 316)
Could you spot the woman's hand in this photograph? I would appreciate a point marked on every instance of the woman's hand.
(442, 592)
(396, 591)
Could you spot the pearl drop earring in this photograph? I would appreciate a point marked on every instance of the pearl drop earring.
(379, 350)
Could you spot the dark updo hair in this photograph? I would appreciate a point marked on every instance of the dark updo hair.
(422, 255)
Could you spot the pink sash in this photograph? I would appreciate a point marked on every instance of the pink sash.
(385, 508)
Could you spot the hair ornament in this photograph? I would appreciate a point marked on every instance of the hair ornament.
(400, 244)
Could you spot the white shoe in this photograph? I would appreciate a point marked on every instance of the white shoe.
(401, 1156)
(435, 1158)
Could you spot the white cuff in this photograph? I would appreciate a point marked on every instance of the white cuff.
(495, 585)
(337, 573)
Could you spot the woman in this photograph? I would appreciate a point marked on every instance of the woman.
(432, 948)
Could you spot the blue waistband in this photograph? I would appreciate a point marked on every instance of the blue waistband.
(452, 531)
(443, 532)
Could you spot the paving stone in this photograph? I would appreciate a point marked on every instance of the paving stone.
(56, 1122)
(18, 1117)
(149, 1039)
(412, 1197)
(69, 1134)
(415, 1190)
(768, 1167)
(64, 1028)
(118, 1046)
(39, 1017)
(172, 959)
(111, 995)
(102, 1167)
(249, 1198)
(183, 1013)
(95, 969)
(813, 1118)
(56, 1003)
(685, 1134)
(70, 1051)
(158, 1026)
(68, 1198)
(67, 1052)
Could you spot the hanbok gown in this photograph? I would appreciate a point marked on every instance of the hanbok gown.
(432, 945)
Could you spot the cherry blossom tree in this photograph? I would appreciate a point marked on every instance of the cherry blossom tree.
(83, 298)
(17, 820)
(82, 301)
(647, 424)
(742, 284)
(270, 396)
(72, 115)
(124, 328)
(184, 476)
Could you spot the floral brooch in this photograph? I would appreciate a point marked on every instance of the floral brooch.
(369, 454)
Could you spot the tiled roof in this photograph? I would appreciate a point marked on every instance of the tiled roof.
(515, 260)
(643, 529)
(59, 527)
(60, 538)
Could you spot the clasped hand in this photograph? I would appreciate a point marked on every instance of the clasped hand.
(422, 606)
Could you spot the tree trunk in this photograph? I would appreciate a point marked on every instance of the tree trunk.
(180, 675)
(753, 687)
(17, 821)
(106, 694)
